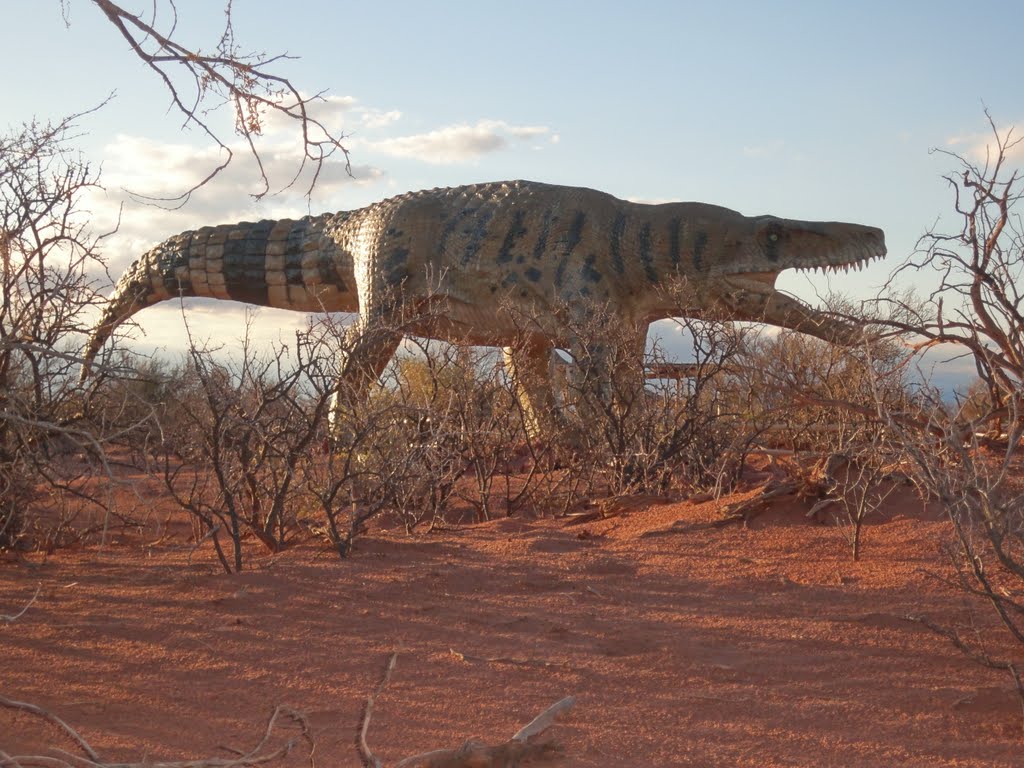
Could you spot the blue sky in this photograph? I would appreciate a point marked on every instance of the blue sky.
(814, 110)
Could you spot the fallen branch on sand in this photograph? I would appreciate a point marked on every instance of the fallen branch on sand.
(525, 745)
(258, 755)
(528, 744)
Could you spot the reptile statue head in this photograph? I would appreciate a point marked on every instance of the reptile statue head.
(745, 283)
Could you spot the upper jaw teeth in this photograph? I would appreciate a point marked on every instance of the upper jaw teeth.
(857, 266)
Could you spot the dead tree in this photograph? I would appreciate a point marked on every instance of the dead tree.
(967, 455)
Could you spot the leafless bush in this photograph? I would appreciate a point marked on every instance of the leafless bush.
(461, 434)
(806, 394)
(967, 454)
(635, 422)
(428, 440)
(49, 262)
(53, 431)
(495, 441)
(243, 432)
(245, 449)
(826, 409)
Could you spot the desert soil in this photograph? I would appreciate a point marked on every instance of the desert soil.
(763, 645)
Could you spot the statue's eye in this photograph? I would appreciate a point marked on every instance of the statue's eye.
(774, 237)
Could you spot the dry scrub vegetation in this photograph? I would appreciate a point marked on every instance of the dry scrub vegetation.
(240, 441)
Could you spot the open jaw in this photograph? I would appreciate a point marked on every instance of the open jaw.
(754, 297)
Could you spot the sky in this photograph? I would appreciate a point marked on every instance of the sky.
(812, 110)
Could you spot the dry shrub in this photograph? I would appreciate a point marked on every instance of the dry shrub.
(966, 453)
(50, 445)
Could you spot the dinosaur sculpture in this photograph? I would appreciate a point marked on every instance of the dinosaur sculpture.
(455, 264)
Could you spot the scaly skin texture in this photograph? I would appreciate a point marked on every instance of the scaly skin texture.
(468, 263)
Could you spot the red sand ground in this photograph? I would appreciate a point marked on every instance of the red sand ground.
(764, 646)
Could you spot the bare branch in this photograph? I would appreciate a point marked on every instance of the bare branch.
(253, 757)
(365, 754)
(199, 83)
(38, 711)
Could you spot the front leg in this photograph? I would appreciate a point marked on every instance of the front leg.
(532, 369)
(368, 350)
(369, 345)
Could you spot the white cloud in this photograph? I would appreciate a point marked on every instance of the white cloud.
(159, 170)
(376, 118)
(651, 200)
(982, 146)
(763, 150)
(214, 324)
(457, 143)
(333, 112)
(338, 114)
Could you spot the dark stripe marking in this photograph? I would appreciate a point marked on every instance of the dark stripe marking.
(396, 266)
(293, 252)
(515, 231)
(570, 241)
(700, 244)
(560, 271)
(450, 226)
(673, 244)
(772, 242)
(646, 257)
(243, 260)
(541, 246)
(477, 232)
(575, 233)
(176, 255)
(618, 228)
(589, 273)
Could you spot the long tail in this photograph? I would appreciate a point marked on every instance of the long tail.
(290, 264)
